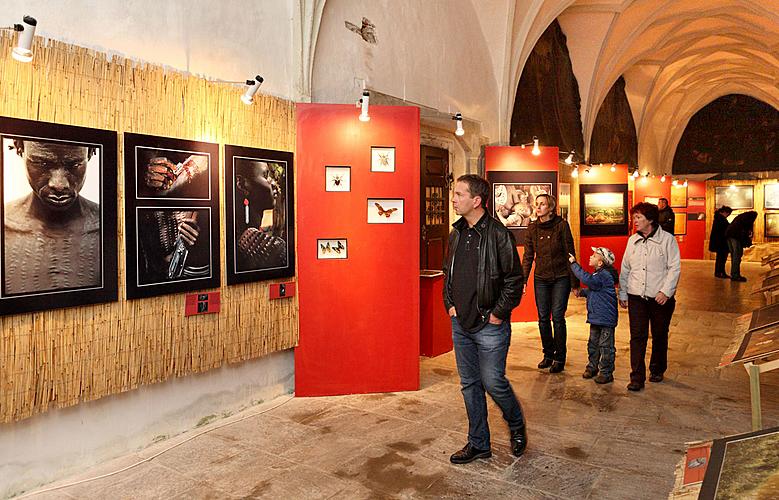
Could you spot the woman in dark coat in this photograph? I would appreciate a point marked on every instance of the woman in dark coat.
(739, 235)
(718, 242)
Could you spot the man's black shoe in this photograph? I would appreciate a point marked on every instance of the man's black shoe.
(589, 372)
(557, 367)
(635, 386)
(545, 363)
(518, 441)
(469, 454)
(722, 275)
(737, 278)
(656, 377)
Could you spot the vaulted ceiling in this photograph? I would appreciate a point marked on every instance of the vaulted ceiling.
(676, 56)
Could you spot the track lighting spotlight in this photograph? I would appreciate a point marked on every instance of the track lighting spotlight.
(254, 86)
(575, 172)
(536, 150)
(685, 183)
(635, 173)
(23, 50)
(587, 170)
(459, 131)
(613, 167)
(569, 158)
(662, 179)
(363, 105)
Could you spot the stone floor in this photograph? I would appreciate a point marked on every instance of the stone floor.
(586, 441)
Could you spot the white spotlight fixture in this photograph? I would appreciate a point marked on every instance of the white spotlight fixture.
(254, 86)
(23, 50)
(635, 173)
(685, 183)
(575, 172)
(662, 179)
(569, 158)
(587, 171)
(458, 118)
(363, 105)
(613, 167)
(536, 150)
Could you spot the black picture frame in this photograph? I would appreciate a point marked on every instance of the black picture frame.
(735, 196)
(771, 196)
(161, 175)
(386, 210)
(86, 274)
(378, 168)
(603, 229)
(335, 184)
(257, 252)
(771, 220)
(740, 446)
(340, 252)
(527, 177)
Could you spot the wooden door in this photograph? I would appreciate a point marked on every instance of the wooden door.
(434, 166)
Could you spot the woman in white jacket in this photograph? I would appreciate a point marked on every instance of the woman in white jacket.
(647, 285)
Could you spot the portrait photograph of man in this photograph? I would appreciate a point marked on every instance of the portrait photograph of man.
(54, 217)
(259, 214)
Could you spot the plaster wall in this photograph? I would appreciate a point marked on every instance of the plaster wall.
(58, 443)
(229, 41)
(428, 53)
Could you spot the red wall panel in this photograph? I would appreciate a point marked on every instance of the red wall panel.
(691, 245)
(516, 158)
(603, 175)
(359, 317)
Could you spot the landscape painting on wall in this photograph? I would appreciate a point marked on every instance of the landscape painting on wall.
(604, 209)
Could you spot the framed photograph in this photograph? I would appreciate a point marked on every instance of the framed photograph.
(678, 196)
(604, 209)
(332, 249)
(654, 200)
(513, 196)
(696, 201)
(680, 223)
(771, 200)
(259, 201)
(772, 225)
(338, 179)
(564, 201)
(385, 210)
(58, 245)
(737, 197)
(382, 159)
(743, 466)
(171, 215)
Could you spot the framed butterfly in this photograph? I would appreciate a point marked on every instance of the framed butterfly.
(385, 212)
(332, 249)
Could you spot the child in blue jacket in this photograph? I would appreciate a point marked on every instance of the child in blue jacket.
(601, 312)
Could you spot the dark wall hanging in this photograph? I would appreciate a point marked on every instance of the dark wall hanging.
(259, 194)
(512, 197)
(614, 133)
(547, 103)
(171, 215)
(59, 216)
(735, 133)
(604, 209)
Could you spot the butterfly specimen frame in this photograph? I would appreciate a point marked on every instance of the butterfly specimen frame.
(338, 179)
(382, 159)
(385, 210)
(332, 248)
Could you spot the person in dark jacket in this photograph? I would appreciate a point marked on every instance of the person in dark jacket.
(739, 235)
(483, 282)
(548, 242)
(666, 217)
(718, 242)
(602, 314)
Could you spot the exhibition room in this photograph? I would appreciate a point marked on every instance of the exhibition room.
(389, 249)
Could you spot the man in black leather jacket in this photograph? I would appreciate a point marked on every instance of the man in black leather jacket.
(483, 283)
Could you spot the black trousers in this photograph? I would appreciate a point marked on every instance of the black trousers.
(719, 262)
(643, 314)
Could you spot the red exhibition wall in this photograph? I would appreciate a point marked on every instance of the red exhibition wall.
(513, 159)
(603, 175)
(691, 245)
(359, 317)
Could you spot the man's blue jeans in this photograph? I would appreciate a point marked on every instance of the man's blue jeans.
(481, 362)
(552, 300)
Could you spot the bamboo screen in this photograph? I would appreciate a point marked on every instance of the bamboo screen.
(60, 358)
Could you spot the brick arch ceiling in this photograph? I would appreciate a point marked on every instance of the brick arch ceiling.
(676, 55)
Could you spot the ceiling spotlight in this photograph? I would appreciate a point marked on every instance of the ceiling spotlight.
(569, 158)
(460, 131)
(613, 167)
(575, 172)
(587, 171)
(536, 150)
(23, 50)
(363, 105)
(254, 86)
(685, 183)
(635, 173)
(732, 186)
(662, 179)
